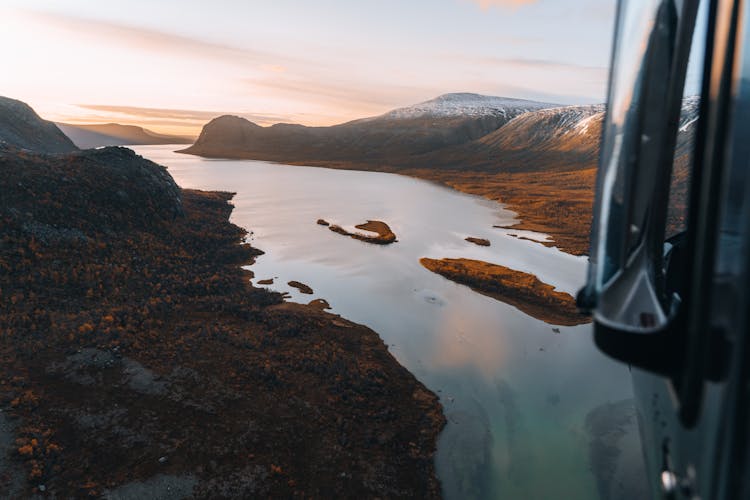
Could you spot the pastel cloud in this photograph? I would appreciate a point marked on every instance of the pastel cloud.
(166, 117)
(316, 65)
(142, 38)
(513, 4)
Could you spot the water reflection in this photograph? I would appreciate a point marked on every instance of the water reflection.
(516, 392)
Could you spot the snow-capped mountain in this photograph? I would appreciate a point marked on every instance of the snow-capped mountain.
(547, 127)
(466, 105)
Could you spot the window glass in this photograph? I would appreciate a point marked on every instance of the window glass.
(682, 165)
(643, 56)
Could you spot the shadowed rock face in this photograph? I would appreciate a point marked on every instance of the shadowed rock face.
(21, 127)
(230, 132)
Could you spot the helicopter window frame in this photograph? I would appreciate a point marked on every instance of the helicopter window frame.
(639, 137)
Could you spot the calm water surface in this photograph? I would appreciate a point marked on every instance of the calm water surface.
(515, 393)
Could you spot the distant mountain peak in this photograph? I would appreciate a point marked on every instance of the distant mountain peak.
(467, 104)
(474, 98)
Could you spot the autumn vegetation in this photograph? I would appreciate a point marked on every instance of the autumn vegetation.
(559, 204)
(521, 290)
(132, 344)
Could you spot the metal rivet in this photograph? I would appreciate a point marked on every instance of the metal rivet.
(668, 481)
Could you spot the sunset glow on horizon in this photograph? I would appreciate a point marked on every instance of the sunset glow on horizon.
(171, 66)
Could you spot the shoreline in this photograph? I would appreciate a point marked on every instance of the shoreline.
(163, 361)
(558, 204)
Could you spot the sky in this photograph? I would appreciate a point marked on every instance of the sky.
(172, 65)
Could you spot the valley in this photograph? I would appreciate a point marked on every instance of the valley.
(536, 158)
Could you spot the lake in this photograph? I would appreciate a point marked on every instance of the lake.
(516, 393)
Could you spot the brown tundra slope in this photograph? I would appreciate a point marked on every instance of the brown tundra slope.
(137, 360)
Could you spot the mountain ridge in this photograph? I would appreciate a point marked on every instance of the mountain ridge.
(461, 128)
(428, 126)
(115, 134)
(465, 104)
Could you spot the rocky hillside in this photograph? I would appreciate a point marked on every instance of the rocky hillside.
(572, 128)
(551, 140)
(114, 134)
(21, 127)
(116, 189)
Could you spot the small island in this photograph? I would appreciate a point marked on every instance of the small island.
(521, 290)
(482, 242)
(301, 287)
(384, 234)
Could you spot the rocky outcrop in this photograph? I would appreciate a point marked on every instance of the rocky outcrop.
(116, 189)
(22, 128)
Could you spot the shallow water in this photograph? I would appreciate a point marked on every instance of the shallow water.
(515, 392)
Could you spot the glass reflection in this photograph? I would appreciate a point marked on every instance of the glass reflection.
(641, 62)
